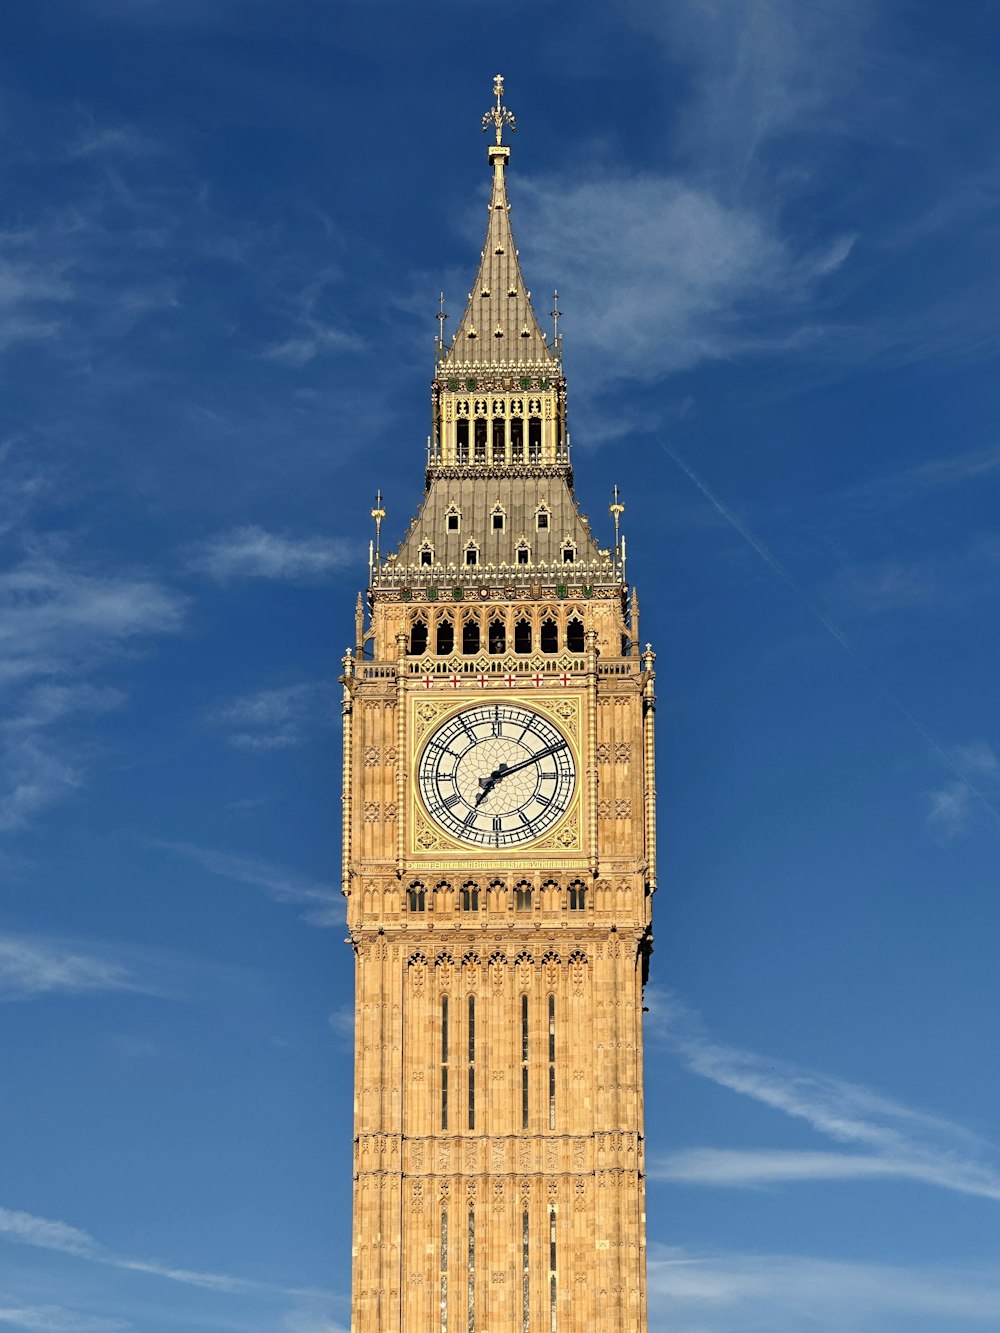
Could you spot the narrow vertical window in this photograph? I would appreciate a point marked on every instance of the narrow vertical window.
(472, 1062)
(552, 1062)
(444, 1062)
(552, 1270)
(472, 1271)
(525, 1288)
(524, 1062)
(444, 1271)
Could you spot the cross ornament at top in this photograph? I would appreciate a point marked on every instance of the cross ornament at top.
(498, 116)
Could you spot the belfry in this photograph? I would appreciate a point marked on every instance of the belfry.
(498, 862)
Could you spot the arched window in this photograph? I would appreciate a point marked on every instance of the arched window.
(499, 441)
(522, 636)
(479, 442)
(516, 440)
(418, 638)
(522, 897)
(549, 637)
(445, 637)
(416, 898)
(577, 896)
(534, 439)
(470, 897)
(462, 441)
(575, 641)
(470, 637)
(498, 636)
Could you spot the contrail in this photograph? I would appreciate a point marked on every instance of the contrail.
(775, 564)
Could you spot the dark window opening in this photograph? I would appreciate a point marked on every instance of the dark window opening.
(575, 640)
(577, 897)
(499, 441)
(498, 636)
(426, 556)
(470, 898)
(471, 555)
(444, 1062)
(462, 441)
(452, 522)
(523, 555)
(445, 637)
(569, 555)
(516, 440)
(418, 638)
(470, 636)
(549, 637)
(534, 440)
(417, 899)
(522, 899)
(626, 645)
(498, 522)
(479, 445)
(542, 519)
(522, 637)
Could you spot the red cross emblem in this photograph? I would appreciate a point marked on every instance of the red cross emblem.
(427, 682)
(536, 679)
(510, 680)
(454, 682)
(564, 678)
(482, 681)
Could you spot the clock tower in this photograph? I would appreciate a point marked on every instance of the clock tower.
(498, 862)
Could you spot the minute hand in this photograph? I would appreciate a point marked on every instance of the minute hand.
(503, 771)
(499, 773)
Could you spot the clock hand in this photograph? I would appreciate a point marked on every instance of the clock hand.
(503, 771)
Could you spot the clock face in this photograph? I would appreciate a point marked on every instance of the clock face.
(496, 775)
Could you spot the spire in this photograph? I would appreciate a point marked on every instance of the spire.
(499, 326)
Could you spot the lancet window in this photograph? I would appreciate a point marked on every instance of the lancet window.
(470, 636)
(418, 637)
(445, 637)
(498, 636)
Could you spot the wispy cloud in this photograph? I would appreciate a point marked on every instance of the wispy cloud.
(312, 334)
(45, 1234)
(728, 1293)
(58, 624)
(690, 278)
(323, 904)
(253, 552)
(54, 1319)
(342, 1023)
(30, 968)
(886, 1138)
(953, 811)
(275, 719)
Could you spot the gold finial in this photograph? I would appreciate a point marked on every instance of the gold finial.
(378, 514)
(498, 116)
(616, 509)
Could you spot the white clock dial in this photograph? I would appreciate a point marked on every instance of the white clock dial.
(496, 775)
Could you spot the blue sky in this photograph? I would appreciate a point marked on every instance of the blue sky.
(775, 230)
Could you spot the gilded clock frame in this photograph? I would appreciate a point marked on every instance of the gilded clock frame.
(566, 840)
